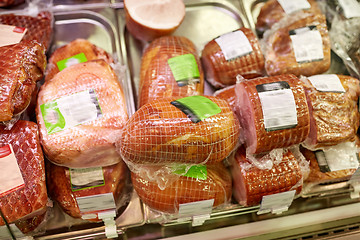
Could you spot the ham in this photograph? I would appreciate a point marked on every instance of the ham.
(228, 94)
(8, 3)
(212, 183)
(31, 199)
(250, 183)
(21, 67)
(286, 121)
(222, 65)
(78, 46)
(157, 79)
(84, 108)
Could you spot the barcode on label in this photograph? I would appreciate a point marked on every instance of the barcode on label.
(234, 44)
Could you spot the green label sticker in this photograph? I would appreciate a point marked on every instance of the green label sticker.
(78, 58)
(85, 178)
(197, 108)
(184, 69)
(53, 119)
(196, 171)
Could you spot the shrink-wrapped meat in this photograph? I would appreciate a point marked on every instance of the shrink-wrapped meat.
(234, 53)
(170, 67)
(227, 94)
(205, 182)
(161, 132)
(23, 189)
(334, 114)
(80, 113)
(273, 112)
(299, 45)
(250, 183)
(79, 50)
(8, 3)
(67, 185)
(21, 66)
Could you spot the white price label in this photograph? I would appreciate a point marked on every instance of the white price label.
(327, 83)
(196, 208)
(234, 44)
(11, 34)
(276, 203)
(351, 8)
(86, 178)
(94, 203)
(294, 5)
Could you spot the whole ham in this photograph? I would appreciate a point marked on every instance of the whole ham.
(286, 119)
(80, 113)
(39, 28)
(250, 183)
(62, 188)
(299, 45)
(21, 67)
(222, 65)
(334, 116)
(159, 132)
(170, 67)
(8, 3)
(209, 182)
(25, 201)
(78, 46)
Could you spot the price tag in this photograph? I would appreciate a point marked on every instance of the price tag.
(196, 208)
(96, 203)
(327, 83)
(276, 203)
(11, 34)
(355, 182)
(351, 8)
(78, 58)
(234, 45)
(85, 178)
(293, 6)
(184, 69)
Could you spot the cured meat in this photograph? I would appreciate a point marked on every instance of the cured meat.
(250, 183)
(212, 183)
(272, 12)
(160, 132)
(84, 108)
(39, 28)
(8, 3)
(62, 190)
(280, 52)
(157, 78)
(264, 134)
(227, 94)
(78, 46)
(222, 66)
(21, 66)
(334, 116)
(31, 199)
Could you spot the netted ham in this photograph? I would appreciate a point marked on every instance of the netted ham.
(227, 94)
(233, 53)
(272, 12)
(21, 67)
(299, 45)
(334, 114)
(161, 132)
(8, 3)
(67, 185)
(273, 112)
(79, 50)
(250, 183)
(23, 188)
(205, 182)
(39, 28)
(80, 113)
(170, 67)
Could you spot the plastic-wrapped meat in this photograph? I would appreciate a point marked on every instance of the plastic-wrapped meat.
(80, 113)
(204, 183)
(30, 199)
(234, 53)
(250, 183)
(272, 12)
(79, 50)
(273, 112)
(334, 116)
(8, 3)
(66, 185)
(160, 132)
(21, 66)
(227, 94)
(39, 28)
(170, 67)
(299, 44)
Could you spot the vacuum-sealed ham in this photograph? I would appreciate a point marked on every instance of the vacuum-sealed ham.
(8, 3)
(230, 54)
(170, 67)
(80, 113)
(77, 51)
(22, 65)
(23, 192)
(273, 112)
(69, 187)
(195, 129)
(188, 184)
(334, 113)
(299, 45)
(251, 183)
(228, 94)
